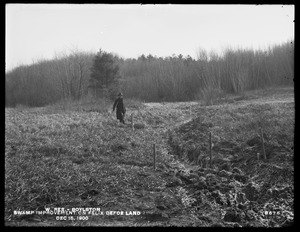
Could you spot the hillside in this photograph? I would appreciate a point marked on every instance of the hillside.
(82, 157)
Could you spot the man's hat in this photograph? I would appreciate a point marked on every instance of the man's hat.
(120, 94)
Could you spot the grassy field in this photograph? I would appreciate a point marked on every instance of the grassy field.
(78, 155)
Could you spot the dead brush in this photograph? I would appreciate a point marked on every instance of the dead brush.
(211, 95)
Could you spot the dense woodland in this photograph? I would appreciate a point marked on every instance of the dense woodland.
(150, 78)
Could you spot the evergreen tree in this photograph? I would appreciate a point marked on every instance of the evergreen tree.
(105, 74)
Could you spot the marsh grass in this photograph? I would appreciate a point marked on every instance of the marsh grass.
(73, 157)
(240, 123)
(71, 151)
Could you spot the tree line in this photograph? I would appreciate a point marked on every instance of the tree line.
(149, 78)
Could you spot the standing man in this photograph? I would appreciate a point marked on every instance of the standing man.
(120, 108)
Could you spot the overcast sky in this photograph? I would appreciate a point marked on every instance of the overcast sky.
(36, 31)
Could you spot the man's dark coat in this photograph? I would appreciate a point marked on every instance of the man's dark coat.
(120, 109)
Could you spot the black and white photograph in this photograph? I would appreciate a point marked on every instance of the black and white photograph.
(149, 115)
